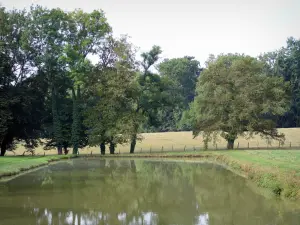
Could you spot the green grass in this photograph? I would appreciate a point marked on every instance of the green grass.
(12, 165)
(284, 160)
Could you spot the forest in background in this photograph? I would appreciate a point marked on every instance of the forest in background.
(50, 90)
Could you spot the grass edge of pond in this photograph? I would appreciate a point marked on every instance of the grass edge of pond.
(281, 184)
(19, 167)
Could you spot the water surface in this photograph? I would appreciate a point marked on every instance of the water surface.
(134, 192)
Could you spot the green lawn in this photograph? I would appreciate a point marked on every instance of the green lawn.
(10, 165)
(284, 160)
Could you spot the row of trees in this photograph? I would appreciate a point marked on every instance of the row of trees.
(50, 90)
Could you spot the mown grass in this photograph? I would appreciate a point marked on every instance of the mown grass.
(276, 170)
(12, 165)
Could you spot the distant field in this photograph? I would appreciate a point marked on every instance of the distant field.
(177, 141)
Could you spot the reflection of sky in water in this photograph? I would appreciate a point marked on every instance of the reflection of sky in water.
(147, 218)
(203, 219)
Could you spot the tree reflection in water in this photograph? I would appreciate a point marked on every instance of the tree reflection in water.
(93, 191)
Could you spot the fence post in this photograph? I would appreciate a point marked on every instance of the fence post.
(248, 144)
(238, 146)
(278, 144)
(194, 148)
(184, 148)
(290, 144)
(162, 148)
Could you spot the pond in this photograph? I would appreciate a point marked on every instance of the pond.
(105, 191)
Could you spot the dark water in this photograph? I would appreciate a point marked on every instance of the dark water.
(137, 192)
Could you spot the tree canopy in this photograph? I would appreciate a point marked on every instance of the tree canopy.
(235, 97)
(51, 91)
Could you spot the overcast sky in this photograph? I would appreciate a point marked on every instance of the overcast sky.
(191, 27)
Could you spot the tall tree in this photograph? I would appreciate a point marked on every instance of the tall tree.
(22, 89)
(47, 35)
(87, 32)
(153, 92)
(235, 97)
(113, 84)
(146, 82)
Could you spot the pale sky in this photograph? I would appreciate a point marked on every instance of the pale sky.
(191, 27)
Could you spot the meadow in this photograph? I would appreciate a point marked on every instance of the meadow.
(180, 141)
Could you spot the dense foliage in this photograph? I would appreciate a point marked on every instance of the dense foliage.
(51, 91)
(236, 97)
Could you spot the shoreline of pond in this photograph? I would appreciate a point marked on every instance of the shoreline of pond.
(281, 184)
(17, 168)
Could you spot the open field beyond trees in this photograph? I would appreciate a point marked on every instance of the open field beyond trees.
(177, 141)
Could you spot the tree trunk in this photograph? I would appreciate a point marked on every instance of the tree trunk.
(133, 143)
(112, 148)
(75, 149)
(66, 151)
(76, 125)
(133, 138)
(57, 129)
(3, 148)
(230, 143)
(6, 142)
(102, 148)
(59, 150)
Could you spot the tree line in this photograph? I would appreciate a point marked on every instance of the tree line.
(50, 90)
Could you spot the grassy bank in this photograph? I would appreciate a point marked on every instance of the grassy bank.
(276, 170)
(11, 165)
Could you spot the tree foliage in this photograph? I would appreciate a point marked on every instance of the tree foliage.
(51, 90)
(113, 91)
(285, 63)
(21, 86)
(235, 97)
(183, 72)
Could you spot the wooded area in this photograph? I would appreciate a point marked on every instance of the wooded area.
(50, 89)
